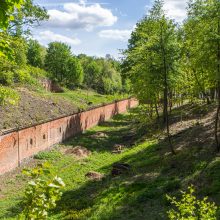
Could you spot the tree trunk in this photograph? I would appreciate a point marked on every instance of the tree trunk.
(171, 101)
(166, 115)
(164, 107)
(217, 121)
(218, 95)
(166, 112)
(157, 111)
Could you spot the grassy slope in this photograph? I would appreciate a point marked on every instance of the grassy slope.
(84, 99)
(139, 194)
(37, 106)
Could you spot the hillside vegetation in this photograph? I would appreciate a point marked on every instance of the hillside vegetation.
(37, 106)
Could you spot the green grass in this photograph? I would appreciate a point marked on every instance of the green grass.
(84, 99)
(48, 155)
(139, 194)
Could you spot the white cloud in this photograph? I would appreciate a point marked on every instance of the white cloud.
(176, 9)
(46, 37)
(122, 35)
(81, 15)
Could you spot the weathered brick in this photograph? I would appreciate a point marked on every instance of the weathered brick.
(18, 145)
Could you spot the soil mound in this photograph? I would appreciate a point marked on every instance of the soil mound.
(118, 148)
(120, 168)
(79, 152)
(99, 135)
(94, 175)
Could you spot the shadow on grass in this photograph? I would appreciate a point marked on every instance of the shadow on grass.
(140, 194)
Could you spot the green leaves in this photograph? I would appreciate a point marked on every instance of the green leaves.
(153, 40)
(6, 10)
(74, 72)
(42, 192)
(28, 15)
(36, 54)
(8, 96)
(189, 207)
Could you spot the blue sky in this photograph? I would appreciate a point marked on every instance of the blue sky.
(97, 27)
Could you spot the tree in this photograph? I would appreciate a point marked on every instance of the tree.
(153, 52)
(63, 66)
(6, 10)
(111, 78)
(7, 7)
(204, 47)
(19, 47)
(101, 74)
(74, 75)
(56, 60)
(36, 54)
(27, 17)
(92, 75)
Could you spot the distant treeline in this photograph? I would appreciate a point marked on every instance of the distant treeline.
(24, 60)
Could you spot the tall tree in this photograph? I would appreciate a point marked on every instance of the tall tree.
(153, 52)
(203, 37)
(56, 60)
(74, 75)
(92, 74)
(36, 54)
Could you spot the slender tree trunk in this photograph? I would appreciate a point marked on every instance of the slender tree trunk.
(212, 92)
(170, 101)
(217, 121)
(151, 110)
(166, 109)
(157, 111)
(218, 92)
(218, 95)
(166, 115)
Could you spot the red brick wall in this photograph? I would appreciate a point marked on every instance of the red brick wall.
(8, 152)
(18, 145)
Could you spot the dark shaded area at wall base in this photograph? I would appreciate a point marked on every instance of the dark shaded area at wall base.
(15, 146)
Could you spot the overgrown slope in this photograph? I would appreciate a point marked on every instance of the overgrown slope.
(36, 106)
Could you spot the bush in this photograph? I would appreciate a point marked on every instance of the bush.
(37, 72)
(6, 78)
(189, 207)
(8, 95)
(22, 76)
(42, 192)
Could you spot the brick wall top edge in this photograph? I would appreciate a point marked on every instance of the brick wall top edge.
(2, 133)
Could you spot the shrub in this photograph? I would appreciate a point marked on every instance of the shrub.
(38, 72)
(22, 76)
(191, 208)
(6, 78)
(8, 95)
(42, 192)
